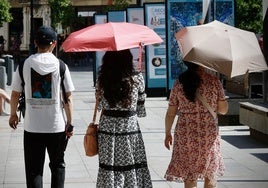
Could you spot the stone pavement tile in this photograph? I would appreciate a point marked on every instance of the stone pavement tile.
(14, 164)
(79, 185)
(245, 184)
(240, 151)
(88, 165)
(13, 185)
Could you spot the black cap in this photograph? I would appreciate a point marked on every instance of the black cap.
(45, 35)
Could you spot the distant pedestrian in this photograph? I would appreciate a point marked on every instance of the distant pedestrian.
(44, 124)
(196, 144)
(2, 44)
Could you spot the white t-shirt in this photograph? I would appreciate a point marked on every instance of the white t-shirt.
(41, 73)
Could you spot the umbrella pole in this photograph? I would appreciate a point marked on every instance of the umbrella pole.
(140, 58)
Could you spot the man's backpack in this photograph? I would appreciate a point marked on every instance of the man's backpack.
(22, 104)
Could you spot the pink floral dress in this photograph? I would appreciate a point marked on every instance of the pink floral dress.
(196, 146)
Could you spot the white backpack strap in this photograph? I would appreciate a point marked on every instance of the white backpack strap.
(204, 102)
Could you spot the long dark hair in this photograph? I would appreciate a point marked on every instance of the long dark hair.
(190, 80)
(115, 77)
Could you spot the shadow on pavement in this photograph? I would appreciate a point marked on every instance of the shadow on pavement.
(242, 181)
(261, 156)
(243, 141)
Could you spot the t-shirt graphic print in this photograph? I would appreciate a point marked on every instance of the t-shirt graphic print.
(41, 85)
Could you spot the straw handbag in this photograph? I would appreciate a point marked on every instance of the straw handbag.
(91, 136)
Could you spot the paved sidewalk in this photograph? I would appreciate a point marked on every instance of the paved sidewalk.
(246, 160)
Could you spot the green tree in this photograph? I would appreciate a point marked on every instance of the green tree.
(62, 12)
(5, 16)
(249, 15)
(119, 5)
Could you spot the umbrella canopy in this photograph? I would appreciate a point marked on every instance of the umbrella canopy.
(111, 36)
(223, 48)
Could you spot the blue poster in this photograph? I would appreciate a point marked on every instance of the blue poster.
(224, 11)
(180, 13)
(155, 55)
(116, 16)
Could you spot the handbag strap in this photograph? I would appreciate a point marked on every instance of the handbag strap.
(204, 102)
(96, 106)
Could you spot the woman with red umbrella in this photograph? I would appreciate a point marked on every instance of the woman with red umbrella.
(122, 157)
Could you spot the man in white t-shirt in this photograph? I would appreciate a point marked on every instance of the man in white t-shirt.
(44, 122)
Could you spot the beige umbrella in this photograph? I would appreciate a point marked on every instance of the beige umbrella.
(222, 48)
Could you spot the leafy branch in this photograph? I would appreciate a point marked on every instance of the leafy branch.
(5, 16)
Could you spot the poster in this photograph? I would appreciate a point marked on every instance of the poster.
(98, 19)
(180, 13)
(136, 15)
(224, 11)
(156, 54)
(116, 16)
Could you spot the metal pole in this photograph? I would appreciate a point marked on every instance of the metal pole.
(3, 77)
(207, 11)
(31, 30)
(265, 53)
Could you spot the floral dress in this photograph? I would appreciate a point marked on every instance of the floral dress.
(122, 157)
(196, 146)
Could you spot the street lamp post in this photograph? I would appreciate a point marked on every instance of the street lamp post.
(265, 53)
(31, 29)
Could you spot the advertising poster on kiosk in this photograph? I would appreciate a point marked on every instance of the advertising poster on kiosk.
(221, 10)
(224, 11)
(136, 15)
(116, 16)
(180, 13)
(183, 13)
(98, 19)
(155, 55)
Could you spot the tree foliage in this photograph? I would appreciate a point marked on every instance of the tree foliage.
(5, 15)
(249, 15)
(62, 12)
(119, 5)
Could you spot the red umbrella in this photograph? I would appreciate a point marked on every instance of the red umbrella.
(111, 36)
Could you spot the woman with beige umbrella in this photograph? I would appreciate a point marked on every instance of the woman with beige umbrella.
(196, 98)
